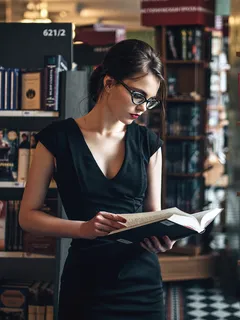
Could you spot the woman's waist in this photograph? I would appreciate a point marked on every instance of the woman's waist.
(86, 208)
(86, 253)
(113, 262)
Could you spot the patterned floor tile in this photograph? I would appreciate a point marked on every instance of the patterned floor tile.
(201, 302)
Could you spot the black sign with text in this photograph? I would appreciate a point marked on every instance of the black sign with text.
(23, 45)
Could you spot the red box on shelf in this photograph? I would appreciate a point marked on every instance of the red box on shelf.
(177, 12)
(100, 34)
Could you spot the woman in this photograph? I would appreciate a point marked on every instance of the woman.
(105, 164)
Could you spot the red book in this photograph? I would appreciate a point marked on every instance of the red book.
(175, 12)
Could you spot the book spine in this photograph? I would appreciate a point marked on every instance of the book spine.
(52, 66)
(2, 88)
(16, 226)
(11, 89)
(51, 88)
(23, 156)
(6, 89)
(3, 217)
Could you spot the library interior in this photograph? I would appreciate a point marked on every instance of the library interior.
(50, 51)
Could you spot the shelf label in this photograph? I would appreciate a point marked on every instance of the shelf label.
(28, 113)
(54, 33)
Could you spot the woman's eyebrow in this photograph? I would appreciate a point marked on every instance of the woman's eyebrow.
(139, 90)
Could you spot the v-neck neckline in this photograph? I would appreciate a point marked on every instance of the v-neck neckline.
(93, 158)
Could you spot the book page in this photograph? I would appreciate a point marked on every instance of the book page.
(136, 219)
(189, 222)
(206, 217)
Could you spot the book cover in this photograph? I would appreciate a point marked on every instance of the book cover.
(23, 156)
(31, 85)
(8, 154)
(172, 222)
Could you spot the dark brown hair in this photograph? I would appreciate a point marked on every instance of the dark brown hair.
(124, 60)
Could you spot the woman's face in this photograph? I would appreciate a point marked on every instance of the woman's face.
(119, 99)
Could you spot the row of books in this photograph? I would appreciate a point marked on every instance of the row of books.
(25, 89)
(184, 157)
(16, 153)
(26, 300)
(183, 120)
(13, 238)
(185, 194)
(184, 43)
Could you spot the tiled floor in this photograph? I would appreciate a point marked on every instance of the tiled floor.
(201, 302)
(210, 304)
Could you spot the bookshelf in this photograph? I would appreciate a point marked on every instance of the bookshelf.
(181, 267)
(188, 84)
(187, 88)
(21, 265)
(29, 113)
(25, 255)
(238, 192)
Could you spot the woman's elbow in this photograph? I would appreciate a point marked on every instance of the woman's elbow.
(23, 220)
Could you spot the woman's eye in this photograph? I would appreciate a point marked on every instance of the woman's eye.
(138, 97)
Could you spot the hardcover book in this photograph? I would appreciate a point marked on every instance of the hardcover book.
(174, 223)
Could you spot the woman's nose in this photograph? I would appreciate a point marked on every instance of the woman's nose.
(142, 107)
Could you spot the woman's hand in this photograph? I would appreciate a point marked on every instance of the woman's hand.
(101, 225)
(154, 245)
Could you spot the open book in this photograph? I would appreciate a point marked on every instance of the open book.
(174, 223)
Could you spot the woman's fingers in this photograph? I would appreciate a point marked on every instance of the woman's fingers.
(158, 247)
(113, 216)
(110, 220)
(154, 245)
(169, 242)
(150, 245)
(144, 246)
(103, 227)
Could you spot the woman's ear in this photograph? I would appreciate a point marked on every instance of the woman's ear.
(109, 83)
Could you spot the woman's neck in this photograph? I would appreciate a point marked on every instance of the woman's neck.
(100, 119)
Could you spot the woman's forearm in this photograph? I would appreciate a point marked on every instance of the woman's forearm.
(38, 222)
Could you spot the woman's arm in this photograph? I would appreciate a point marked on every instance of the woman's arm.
(154, 175)
(33, 220)
(153, 202)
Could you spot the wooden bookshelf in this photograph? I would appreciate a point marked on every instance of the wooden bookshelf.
(14, 190)
(188, 138)
(181, 99)
(180, 267)
(184, 62)
(185, 175)
(29, 113)
(178, 99)
(25, 255)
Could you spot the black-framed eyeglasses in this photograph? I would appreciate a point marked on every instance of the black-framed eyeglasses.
(139, 98)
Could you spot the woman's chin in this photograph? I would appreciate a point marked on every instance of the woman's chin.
(127, 121)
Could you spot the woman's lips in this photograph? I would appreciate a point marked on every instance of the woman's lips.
(134, 115)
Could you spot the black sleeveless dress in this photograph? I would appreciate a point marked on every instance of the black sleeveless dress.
(104, 280)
